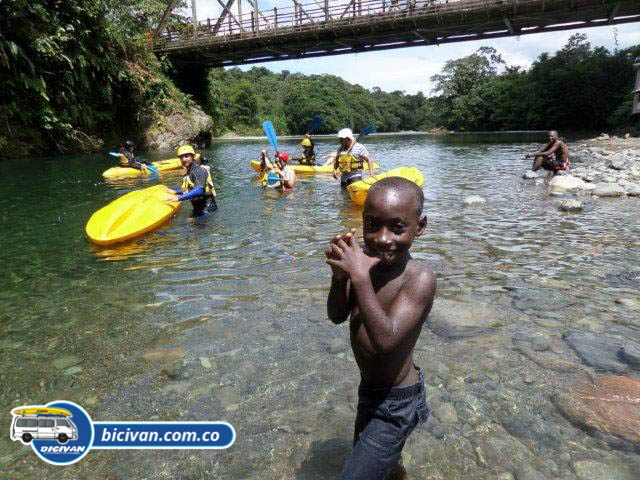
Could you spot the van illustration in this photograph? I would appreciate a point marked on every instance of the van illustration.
(42, 423)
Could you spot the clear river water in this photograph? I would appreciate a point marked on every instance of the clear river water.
(224, 317)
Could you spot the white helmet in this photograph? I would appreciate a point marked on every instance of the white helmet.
(346, 133)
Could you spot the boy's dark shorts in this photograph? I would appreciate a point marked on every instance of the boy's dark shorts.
(390, 416)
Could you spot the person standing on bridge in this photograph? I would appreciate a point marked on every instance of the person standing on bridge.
(553, 157)
(350, 159)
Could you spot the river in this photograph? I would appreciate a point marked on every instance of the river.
(224, 318)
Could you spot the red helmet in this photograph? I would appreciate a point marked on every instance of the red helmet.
(284, 156)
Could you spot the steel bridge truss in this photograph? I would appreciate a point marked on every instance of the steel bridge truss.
(324, 27)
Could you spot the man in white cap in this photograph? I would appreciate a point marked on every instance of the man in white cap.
(350, 159)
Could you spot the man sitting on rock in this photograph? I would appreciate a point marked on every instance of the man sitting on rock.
(553, 157)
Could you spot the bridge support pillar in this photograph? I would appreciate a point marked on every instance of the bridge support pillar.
(195, 19)
(636, 91)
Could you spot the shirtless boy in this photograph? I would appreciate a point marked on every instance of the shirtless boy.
(388, 296)
(554, 157)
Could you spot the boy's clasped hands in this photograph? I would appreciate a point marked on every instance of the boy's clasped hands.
(347, 259)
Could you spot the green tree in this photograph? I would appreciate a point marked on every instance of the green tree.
(244, 104)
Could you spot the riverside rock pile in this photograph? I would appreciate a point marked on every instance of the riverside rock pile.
(611, 170)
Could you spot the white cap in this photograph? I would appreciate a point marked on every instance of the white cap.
(346, 133)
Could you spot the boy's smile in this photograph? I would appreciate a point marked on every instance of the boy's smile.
(390, 223)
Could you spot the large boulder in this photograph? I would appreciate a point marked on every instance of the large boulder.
(608, 404)
(566, 183)
(191, 126)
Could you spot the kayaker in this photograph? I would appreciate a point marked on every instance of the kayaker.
(553, 157)
(197, 184)
(127, 158)
(308, 156)
(279, 165)
(350, 159)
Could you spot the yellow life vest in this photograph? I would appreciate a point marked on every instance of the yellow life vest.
(310, 160)
(348, 162)
(124, 161)
(187, 184)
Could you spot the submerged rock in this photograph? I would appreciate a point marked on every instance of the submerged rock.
(594, 470)
(474, 200)
(631, 303)
(571, 205)
(633, 190)
(530, 174)
(526, 472)
(452, 319)
(610, 189)
(609, 404)
(66, 362)
(597, 350)
(159, 355)
(630, 354)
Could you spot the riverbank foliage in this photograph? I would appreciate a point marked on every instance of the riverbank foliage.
(239, 101)
(577, 88)
(75, 73)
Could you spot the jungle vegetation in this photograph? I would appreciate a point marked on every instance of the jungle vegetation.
(76, 74)
(577, 88)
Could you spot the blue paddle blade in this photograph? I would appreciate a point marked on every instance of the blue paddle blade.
(272, 179)
(367, 130)
(114, 154)
(316, 121)
(270, 132)
(152, 168)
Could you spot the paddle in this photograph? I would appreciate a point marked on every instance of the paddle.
(316, 121)
(366, 131)
(272, 179)
(270, 132)
(152, 168)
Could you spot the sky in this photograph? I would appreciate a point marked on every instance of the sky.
(409, 69)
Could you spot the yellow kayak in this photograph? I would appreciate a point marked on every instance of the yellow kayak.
(309, 169)
(131, 215)
(162, 165)
(358, 190)
(41, 411)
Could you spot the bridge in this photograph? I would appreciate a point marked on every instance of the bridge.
(334, 27)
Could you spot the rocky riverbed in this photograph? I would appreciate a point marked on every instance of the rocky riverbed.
(531, 353)
(599, 168)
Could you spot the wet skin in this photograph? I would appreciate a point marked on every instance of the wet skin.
(386, 292)
(555, 147)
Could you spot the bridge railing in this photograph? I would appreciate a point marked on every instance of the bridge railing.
(313, 16)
